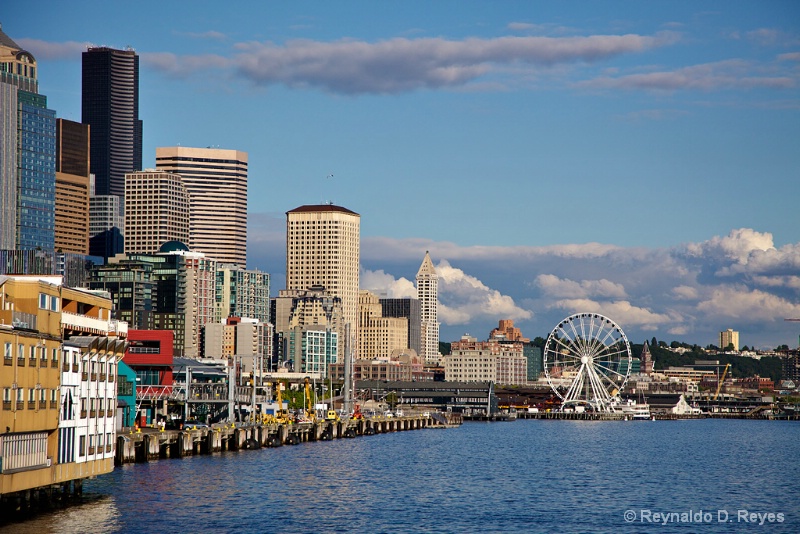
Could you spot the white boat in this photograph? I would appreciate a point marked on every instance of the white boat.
(635, 411)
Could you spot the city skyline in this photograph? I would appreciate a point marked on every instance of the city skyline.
(653, 145)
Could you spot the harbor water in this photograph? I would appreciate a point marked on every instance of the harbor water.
(522, 476)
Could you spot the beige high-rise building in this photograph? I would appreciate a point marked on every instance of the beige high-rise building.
(323, 249)
(156, 211)
(378, 336)
(72, 187)
(216, 181)
(729, 337)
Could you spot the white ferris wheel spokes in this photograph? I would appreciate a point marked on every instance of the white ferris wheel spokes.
(587, 361)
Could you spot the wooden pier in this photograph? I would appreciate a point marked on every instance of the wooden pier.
(147, 444)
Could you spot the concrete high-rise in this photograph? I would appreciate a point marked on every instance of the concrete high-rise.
(110, 106)
(27, 153)
(216, 181)
(727, 338)
(323, 249)
(156, 211)
(427, 293)
(72, 187)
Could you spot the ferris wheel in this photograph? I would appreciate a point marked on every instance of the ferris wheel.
(587, 361)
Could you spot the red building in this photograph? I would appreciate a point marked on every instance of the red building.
(150, 355)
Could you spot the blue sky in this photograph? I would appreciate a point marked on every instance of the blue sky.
(638, 159)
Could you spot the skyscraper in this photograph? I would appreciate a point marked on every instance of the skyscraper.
(110, 106)
(27, 153)
(72, 187)
(156, 211)
(427, 293)
(216, 181)
(323, 249)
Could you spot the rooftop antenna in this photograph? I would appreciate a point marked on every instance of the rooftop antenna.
(328, 202)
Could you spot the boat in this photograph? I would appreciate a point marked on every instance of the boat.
(635, 411)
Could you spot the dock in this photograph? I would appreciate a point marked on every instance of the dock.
(148, 444)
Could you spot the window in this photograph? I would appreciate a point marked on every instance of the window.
(8, 353)
(82, 447)
(43, 301)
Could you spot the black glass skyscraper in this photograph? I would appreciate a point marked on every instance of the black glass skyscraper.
(110, 106)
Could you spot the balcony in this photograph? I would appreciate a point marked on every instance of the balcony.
(6, 405)
(83, 414)
(81, 323)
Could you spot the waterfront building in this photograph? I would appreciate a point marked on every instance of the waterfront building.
(471, 360)
(408, 308)
(322, 249)
(729, 338)
(173, 289)
(60, 350)
(27, 151)
(427, 293)
(378, 336)
(150, 355)
(126, 396)
(156, 211)
(72, 187)
(308, 322)
(216, 183)
(110, 106)
(242, 293)
(476, 399)
(507, 331)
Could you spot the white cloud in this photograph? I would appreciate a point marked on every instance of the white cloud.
(728, 74)
(746, 304)
(379, 281)
(45, 50)
(556, 287)
(685, 293)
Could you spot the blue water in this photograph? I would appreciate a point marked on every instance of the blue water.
(522, 476)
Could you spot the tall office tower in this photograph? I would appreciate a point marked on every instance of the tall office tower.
(110, 106)
(427, 293)
(727, 338)
(242, 293)
(72, 187)
(410, 309)
(156, 211)
(216, 180)
(322, 249)
(27, 153)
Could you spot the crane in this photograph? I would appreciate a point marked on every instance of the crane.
(721, 380)
(794, 321)
(310, 414)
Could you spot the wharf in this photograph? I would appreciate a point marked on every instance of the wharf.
(148, 444)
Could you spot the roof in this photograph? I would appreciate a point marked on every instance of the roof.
(7, 41)
(314, 208)
(427, 266)
(179, 366)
